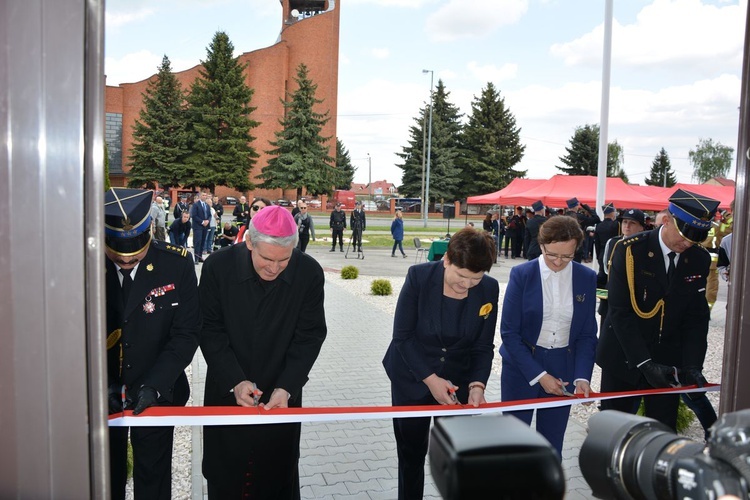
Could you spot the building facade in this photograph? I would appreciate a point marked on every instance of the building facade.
(309, 34)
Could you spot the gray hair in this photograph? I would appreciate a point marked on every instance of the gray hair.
(256, 236)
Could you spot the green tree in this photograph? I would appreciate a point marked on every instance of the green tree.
(413, 157)
(160, 137)
(710, 160)
(491, 145)
(300, 158)
(445, 150)
(583, 154)
(615, 161)
(222, 154)
(344, 166)
(661, 170)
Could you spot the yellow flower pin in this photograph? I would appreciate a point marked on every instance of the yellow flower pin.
(485, 310)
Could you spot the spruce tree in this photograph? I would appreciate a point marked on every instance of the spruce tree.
(344, 166)
(583, 152)
(222, 154)
(413, 157)
(300, 156)
(661, 167)
(160, 138)
(444, 151)
(492, 145)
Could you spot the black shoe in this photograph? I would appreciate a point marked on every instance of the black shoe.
(393, 255)
(332, 250)
(341, 250)
(404, 256)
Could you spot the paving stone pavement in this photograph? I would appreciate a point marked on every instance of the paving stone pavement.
(357, 459)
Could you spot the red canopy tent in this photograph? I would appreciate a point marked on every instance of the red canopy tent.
(724, 194)
(555, 191)
(517, 185)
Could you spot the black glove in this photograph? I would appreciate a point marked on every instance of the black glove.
(693, 376)
(114, 399)
(146, 397)
(657, 375)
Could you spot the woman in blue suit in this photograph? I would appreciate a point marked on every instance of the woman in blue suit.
(442, 349)
(548, 328)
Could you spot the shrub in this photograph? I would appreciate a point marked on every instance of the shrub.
(685, 415)
(381, 287)
(349, 273)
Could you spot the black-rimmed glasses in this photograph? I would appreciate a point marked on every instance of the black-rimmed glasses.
(255, 208)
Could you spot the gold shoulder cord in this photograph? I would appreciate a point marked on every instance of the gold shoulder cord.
(630, 271)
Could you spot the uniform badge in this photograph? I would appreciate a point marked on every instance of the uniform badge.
(580, 298)
(148, 306)
(150, 267)
(651, 254)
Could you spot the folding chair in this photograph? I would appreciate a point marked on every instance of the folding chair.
(420, 251)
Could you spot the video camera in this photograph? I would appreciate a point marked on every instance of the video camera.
(626, 456)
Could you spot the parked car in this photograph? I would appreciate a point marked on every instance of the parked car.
(230, 200)
(284, 203)
(314, 204)
(369, 205)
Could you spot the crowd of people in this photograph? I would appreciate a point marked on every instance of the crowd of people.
(654, 322)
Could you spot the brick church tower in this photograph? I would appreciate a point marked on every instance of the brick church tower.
(309, 34)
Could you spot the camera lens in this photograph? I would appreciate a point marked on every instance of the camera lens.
(626, 456)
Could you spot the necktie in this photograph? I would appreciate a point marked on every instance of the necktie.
(127, 284)
(670, 270)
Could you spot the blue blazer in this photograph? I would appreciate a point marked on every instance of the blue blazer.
(417, 351)
(521, 320)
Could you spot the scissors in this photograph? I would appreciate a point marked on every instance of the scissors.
(565, 390)
(256, 395)
(452, 392)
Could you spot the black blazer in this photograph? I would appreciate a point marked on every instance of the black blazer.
(156, 343)
(627, 339)
(417, 350)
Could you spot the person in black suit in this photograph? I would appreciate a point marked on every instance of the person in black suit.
(153, 323)
(358, 223)
(604, 231)
(658, 316)
(263, 328)
(180, 207)
(532, 231)
(241, 211)
(442, 350)
(200, 216)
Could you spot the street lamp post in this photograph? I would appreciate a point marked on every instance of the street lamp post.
(426, 199)
(369, 175)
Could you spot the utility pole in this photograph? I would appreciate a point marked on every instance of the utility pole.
(426, 200)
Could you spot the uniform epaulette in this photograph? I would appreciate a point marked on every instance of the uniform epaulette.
(168, 247)
(630, 240)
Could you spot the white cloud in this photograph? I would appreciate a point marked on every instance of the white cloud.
(380, 53)
(684, 34)
(473, 18)
(491, 73)
(114, 19)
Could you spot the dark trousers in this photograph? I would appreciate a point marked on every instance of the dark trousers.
(152, 461)
(702, 408)
(398, 244)
(662, 407)
(550, 422)
(199, 236)
(304, 239)
(337, 233)
(254, 461)
(510, 240)
(357, 238)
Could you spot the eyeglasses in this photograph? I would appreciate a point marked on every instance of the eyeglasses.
(303, 208)
(255, 208)
(554, 256)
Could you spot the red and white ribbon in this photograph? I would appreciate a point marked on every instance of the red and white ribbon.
(160, 416)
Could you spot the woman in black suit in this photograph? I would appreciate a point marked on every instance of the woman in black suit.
(441, 352)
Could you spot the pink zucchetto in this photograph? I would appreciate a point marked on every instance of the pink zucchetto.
(275, 221)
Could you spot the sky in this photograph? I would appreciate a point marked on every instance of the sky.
(675, 68)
